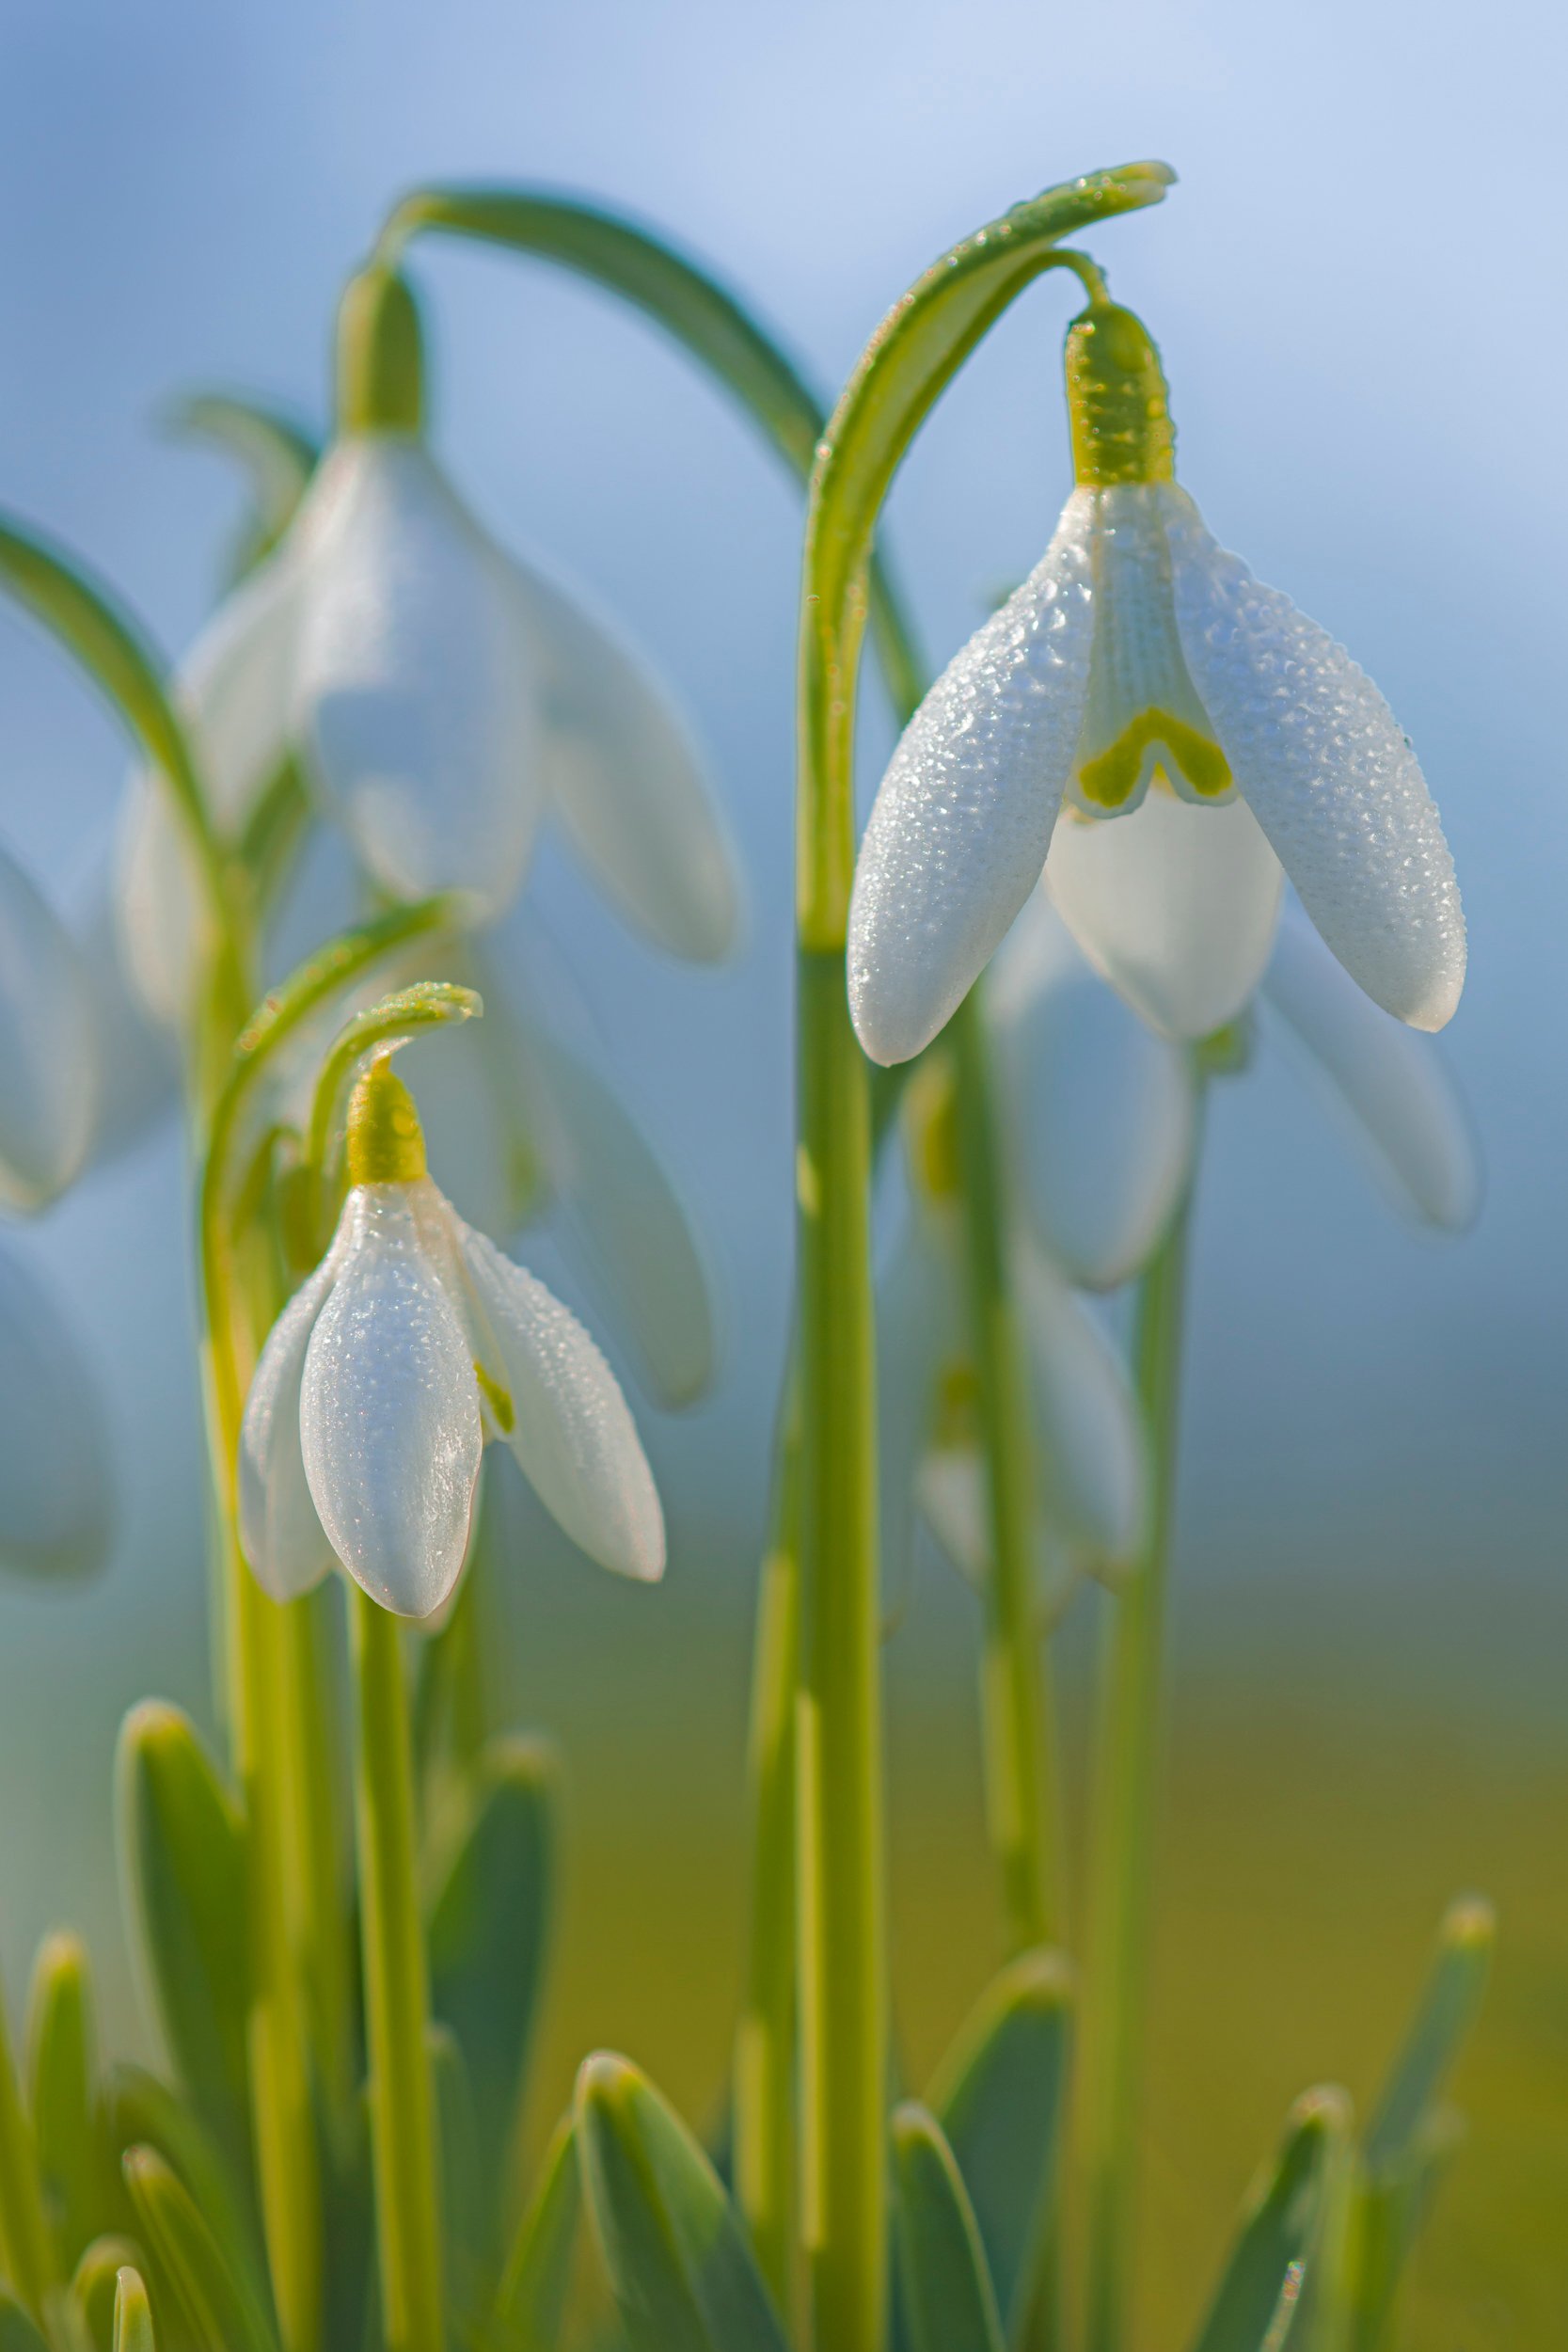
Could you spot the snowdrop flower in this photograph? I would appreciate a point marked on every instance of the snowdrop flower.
(56, 1502)
(1167, 738)
(413, 1343)
(1089, 1448)
(49, 1048)
(439, 693)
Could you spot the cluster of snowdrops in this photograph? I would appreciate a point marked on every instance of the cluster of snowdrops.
(1149, 817)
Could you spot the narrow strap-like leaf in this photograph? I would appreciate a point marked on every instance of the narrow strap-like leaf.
(1448, 2008)
(1263, 2278)
(216, 2302)
(999, 2096)
(183, 1878)
(676, 2258)
(94, 2283)
(530, 2302)
(949, 2300)
(25, 2244)
(18, 2332)
(62, 2066)
(489, 1931)
(133, 2314)
(468, 2190)
(140, 2111)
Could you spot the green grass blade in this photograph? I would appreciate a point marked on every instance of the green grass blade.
(183, 1866)
(94, 2283)
(26, 2248)
(468, 2191)
(217, 2302)
(489, 1931)
(1447, 2010)
(674, 2256)
(949, 2300)
(530, 2302)
(140, 2111)
(999, 2096)
(132, 2324)
(62, 2070)
(1256, 2294)
(18, 2332)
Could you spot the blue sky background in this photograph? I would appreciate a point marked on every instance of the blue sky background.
(1356, 288)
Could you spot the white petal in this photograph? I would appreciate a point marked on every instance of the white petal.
(49, 1048)
(415, 686)
(389, 1417)
(1319, 757)
(1176, 905)
(571, 1431)
(626, 780)
(955, 1505)
(625, 1210)
(1401, 1100)
(962, 821)
(280, 1533)
(56, 1483)
(138, 1073)
(1101, 1110)
(1093, 1478)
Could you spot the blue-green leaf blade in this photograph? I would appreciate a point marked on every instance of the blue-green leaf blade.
(530, 2302)
(949, 2300)
(1258, 2289)
(1445, 2012)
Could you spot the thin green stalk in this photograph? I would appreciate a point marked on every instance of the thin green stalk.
(397, 2006)
(766, 2151)
(25, 2242)
(1126, 1788)
(1022, 1786)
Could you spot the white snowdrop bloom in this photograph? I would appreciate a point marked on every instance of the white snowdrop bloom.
(49, 1048)
(56, 1487)
(440, 696)
(413, 1343)
(1166, 738)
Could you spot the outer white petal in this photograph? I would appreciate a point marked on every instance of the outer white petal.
(1175, 905)
(417, 693)
(955, 1505)
(138, 1061)
(628, 781)
(1100, 1109)
(389, 1418)
(625, 1210)
(233, 690)
(962, 821)
(1401, 1100)
(1319, 757)
(49, 1048)
(56, 1506)
(571, 1432)
(280, 1533)
(1093, 1475)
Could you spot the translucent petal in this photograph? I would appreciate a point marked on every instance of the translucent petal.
(416, 692)
(1101, 1110)
(1175, 905)
(625, 1211)
(280, 1533)
(1093, 1476)
(49, 1048)
(956, 1506)
(138, 1062)
(390, 1419)
(626, 781)
(1400, 1101)
(56, 1487)
(233, 690)
(1319, 757)
(962, 821)
(571, 1431)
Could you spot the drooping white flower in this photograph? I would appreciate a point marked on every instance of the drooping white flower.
(413, 1343)
(1166, 738)
(49, 1048)
(56, 1486)
(440, 696)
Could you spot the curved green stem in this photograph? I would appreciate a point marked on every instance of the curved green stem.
(1125, 1784)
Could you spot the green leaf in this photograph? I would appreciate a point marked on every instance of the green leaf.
(999, 2097)
(140, 2111)
(949, 2300)
(26, 2253)
(17, 2331)
(674, 2254)
(184, 1874)
(219, 2303)
(468, 2191)
(489, 1931)
(277, 454)
(132, 2325)
(530, 2302)
(62, 2068)
(94, 2285)
(1447, 2010)
(1256, 2297)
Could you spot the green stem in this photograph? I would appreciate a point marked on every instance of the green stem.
(403, 2115)
(1022, 1784)
(1127, 1779)
(26, 2244)
(764, 2105)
